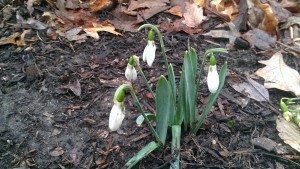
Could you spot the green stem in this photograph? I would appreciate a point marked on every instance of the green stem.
(162, 45)
(175, 148)
(145, 116)
(145, 80)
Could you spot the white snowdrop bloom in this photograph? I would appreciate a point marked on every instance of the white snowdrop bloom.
(213, 79)
(117, 114)
(149, 53)
(130, 72)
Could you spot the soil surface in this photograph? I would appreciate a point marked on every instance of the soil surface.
(56, 97)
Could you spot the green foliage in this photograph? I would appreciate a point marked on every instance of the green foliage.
(142, 153)
(189, 71)
(175, 106)
(164, 107)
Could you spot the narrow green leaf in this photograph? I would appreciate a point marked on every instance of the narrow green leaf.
(175, 147)
(164, 107)
(141, 154)
(212, 98)
(193, 60)
(180, 112)
(171, 78)
(190, 67)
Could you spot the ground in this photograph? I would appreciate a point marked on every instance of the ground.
(43, 124)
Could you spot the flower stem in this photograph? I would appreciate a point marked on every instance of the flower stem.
(162, 45)
(146, 81)
(145, 116)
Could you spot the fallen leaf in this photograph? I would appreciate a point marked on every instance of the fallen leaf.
(74, 35)
(15, 39)
(30, 5)
(218, 5)
(193, 15)
(107, 27)
(199, 2)
(269, 22)
(139, 4)
(291, 5)
(58, 151)
(259, 39)
(289, 133)
(99, 5)
(251, 89)
(178, 26)
(231, 34)
(30, 23)
(278, 75)
(123, 21)
(175, 10)
(74, 87)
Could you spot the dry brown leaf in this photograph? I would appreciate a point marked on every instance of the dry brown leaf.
(269, 22)
(259, 39)
(231, 34)
(251, 89)
(123, 21)
(278, 75)
(175, 10)
(99, 5)
(178, 26)
(218, 5)
(74, 87)
(139, 4)
(193, 15)
(74, 35)
(15, 39)
(291, 5)
(106, 27)
(289, 133)
(199, 2)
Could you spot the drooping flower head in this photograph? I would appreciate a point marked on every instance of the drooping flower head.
(212, 76)
(117, 113)
(149, 51)
(130, 72)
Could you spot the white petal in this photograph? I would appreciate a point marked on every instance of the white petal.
(151, 54)
(116, 117)
(213, 79)
(145, 52)
(130, 73)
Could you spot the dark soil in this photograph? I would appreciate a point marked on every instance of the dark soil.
(45, 125)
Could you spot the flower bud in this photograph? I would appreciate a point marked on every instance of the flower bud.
(212, 76)
(116, 116)
(151, 35)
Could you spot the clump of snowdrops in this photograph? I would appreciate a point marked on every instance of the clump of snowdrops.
(290, 108)
(175, 104)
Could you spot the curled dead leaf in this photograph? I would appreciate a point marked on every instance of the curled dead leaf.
(269, 22)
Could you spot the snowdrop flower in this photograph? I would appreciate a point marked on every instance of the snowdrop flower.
(116, 117)
(149, 51)
(130, 72)
(117, 113)
(212, 76)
